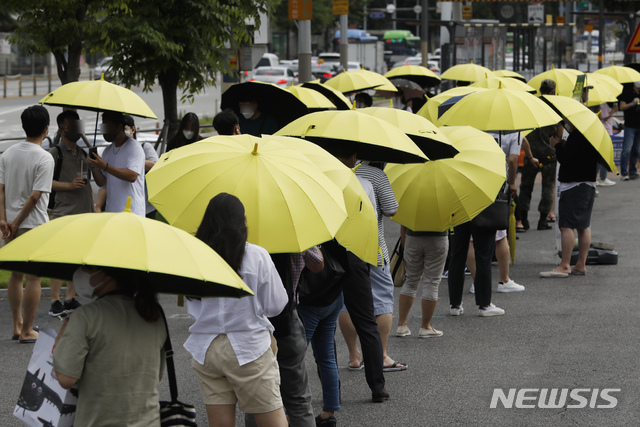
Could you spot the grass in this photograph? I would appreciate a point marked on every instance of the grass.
(4, 280)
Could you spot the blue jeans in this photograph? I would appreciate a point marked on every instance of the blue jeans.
(320, 326)
(630, 148)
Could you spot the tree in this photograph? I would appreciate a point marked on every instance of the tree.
(182, 44)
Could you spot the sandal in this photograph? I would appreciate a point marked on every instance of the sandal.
(397, 366)
(551, 218)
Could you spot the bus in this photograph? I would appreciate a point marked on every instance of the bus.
(398, 44)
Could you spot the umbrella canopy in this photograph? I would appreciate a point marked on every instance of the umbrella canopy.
(272, 99)
(98, 95)
(416, 73)
(425, 134)
(339, 100)
(500, 110)
(313, 99)
(440, 194)
(409, 89)
(588, 124)
(505, 82)
(359, 80)
(510, 74)
(359, 233)
(620, 74)
(373, 139)
(161, 256)
(430, 110)
(565, 79)
(467, 73)
(595, 80)
(601, 91)
(290, 205)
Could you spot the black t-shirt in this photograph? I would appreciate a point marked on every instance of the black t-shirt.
(578, 159)
(631, 115)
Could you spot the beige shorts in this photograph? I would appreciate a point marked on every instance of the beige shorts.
(255, 387)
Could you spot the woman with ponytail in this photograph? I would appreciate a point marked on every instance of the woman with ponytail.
(231, 339)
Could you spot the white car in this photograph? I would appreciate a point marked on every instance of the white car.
(417, 60)
(281, 76)
(103, 67)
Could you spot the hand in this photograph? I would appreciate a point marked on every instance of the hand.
(535, 162)
(76, 183)
(97, 209)
(553, 140)
(98, 162)
(5, 229)
(513, 190)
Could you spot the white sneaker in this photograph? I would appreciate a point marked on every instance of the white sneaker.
(510, 286)
(403, 331)
(605, 182)
(491, 310)
(624, 178)
(472, 289)
(456, 311)
(429, 333)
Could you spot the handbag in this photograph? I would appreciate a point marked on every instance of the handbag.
(496, 215)
(397, 264)
(323, 288)
(174, 412)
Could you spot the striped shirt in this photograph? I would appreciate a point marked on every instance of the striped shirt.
(386, 203)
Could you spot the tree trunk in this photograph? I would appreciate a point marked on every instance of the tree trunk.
(169, 83)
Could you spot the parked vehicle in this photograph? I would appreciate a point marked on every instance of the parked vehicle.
(417, 60)
(325, 70)
(282, 76)
(268, 60)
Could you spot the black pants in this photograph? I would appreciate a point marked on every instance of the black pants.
(356, 288)
(484, 244)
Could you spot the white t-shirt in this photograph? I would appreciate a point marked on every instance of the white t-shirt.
(129, 155)
(149, 154)
(510, 142)
(26, 167)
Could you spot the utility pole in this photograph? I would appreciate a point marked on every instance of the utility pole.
(424, 36)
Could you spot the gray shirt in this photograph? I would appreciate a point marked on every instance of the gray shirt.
(69, 202)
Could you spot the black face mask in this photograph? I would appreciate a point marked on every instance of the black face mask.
(109, 137)
(71, 136)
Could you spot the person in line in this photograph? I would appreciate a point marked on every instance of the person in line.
(150, 159)
(606, 115)
(630, 105)
(118, 316)
(226, 123)
(188, 132)
(26, 174)
(231, 340)
(73, 194)
(577, 182)
(363, 100)
(253, 120)
(120, 169)
(425, 254)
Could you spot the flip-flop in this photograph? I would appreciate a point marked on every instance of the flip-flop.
(356, 368)
(521, 230)
(553, 274)
(551, 219)
(17, 337)
(578, 272)
(28, 341)
(397, 366)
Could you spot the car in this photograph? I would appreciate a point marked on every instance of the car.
(281, 76)
(103, 67)
(268, 60)
(325, 70)
(417, 60)
(328, 57)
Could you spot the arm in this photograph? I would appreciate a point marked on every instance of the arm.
(66, 382)
(102, 198)
(4, 227)
(102, 167)
(513, 170)
(626, 105)
(67, 186)
(28, 207)
(528, 153)
(148, 164)
(313, 259)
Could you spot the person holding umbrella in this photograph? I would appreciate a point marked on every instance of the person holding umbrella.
(630, 105)
(254, 121)
(226, 122)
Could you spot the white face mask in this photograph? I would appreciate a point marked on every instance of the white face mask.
(247, 113)
(128, 133)
(82, 285)
(188, 134)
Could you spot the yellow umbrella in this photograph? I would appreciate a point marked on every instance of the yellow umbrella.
(505, 82)
(425, 134)
(588, 124)
(359, 80)
(313, 99)
(372, 138)
(359, 233)
(290, 204)
(416, 73)
(164, 257)
(603, 81)
(510, 74)
(620, 74)
(98, 95)
(430, 109)
(440, 194)
(467, 73)
(336, 97)
(599, 93)
(500, 110)
(565, 79)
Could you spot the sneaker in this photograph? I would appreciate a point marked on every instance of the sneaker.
(634, 176)
(467, 272)
(429, 333)
(445, 274)
(510, 286)
(472, 289)
(605, 182)
(71, 304)
(326, 422)
(456, 311)
(491, 310)
(403, 331)
(57, 309)
(624, 178)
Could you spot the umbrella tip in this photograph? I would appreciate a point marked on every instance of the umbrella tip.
(102, 77)
(353, 107)
(307, 131)
(391, 103)
(552, 67)
(127, 207)
(255, 149)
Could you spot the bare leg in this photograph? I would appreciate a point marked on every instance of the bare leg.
(271, 419)
(404, 307)
(428, 308)
(15, 300)
(55, 289)
(584, 242)
(30, 304)
(568, 241)
(384, 322)
(502, 253)
(350, 337)
(71, 291)
(221, 415)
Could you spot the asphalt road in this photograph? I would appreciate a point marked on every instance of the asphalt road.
(574, 333)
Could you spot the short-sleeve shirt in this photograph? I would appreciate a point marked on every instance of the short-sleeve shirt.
(129, 155)
(149, 154)
(631, 115)
(70, 202)
(118, 359)
(26, 167)
(510, 142)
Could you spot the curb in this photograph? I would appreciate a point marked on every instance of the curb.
(45, 293)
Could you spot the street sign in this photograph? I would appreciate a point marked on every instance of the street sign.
(560, 20)
(467, 13)
(376, 15)
(588, 28)
(577, 89)
(536, 13)
(300, 10)
(340, 7)
(634, 43)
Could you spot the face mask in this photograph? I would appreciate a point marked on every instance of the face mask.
(72, 136)
(82, 284)
(188, 134)
(247, 113)
(128, 133)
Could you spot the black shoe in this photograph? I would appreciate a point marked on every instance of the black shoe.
(525, 220)
(544, 225)
(326, 422)
(380, 396)
(634, 176)
(71, 304)
(57, 309)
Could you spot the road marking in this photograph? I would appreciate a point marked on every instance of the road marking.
(12, 110)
